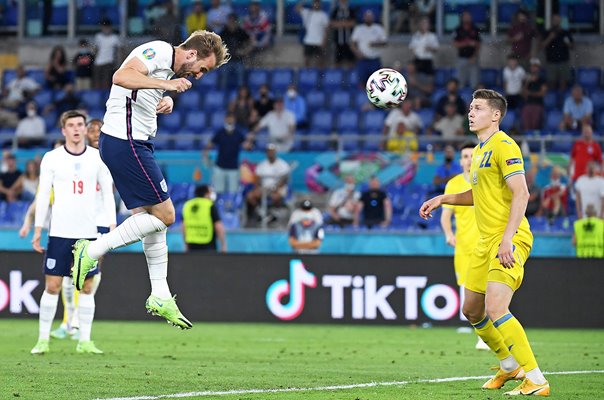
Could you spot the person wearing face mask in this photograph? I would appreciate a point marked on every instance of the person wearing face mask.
(447, 170)
(296, 104)
(344, 203)
(31, 129)
(228, 141)
(201, 224)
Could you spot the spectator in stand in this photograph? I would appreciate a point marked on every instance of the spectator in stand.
(421, 85)
(281, 124)
(344, 203)
(555, 196)
(424, 45)
(375, 206)
(82, 64)
(10, 190)
(55, 72)
(19, 90)
(467, 43)
(197, 19)
(242, 107)
(534, 202)
(306, 228)
(217, 16)
(450, 126)
(316, 25)
(533, 91)
(578, 110)
(240, 45)
(520, 37)
(400, 15)
(557, 44)
(296, 104)
(452, 96)
(258, 26)
(265, 101)
(589, 189)
(404, 140)
(422, 9)
(167, 27)
(201, 223)
(588, 235)
(513, 81)
(403, 114)
(68, 100)
(271, 177)
(31, 130)
(107, 44)
(585, 150)
(228, 141)
(28, 181)
(447, 170)
(367, 41)
(343, 20)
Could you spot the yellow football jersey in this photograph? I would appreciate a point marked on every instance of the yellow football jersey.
(493, 161)
(466, 232)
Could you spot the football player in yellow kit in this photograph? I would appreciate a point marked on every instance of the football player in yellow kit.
(500, 195)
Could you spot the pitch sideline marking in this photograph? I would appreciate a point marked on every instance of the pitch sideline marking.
(327, 388)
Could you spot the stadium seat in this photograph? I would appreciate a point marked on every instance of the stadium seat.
(230, 220)
(332, 79)
(43, 98)
(589, 78)
(490, 77)
(583, 15)
(51, 120)
(93, 98)
(214, 100)
(509, 121)
(353, 78)
(347, 120)
(209, 81)
(441, 76)
(217, 120)
(600, 120)
(7, 76)
(195, 121)
(597, 98)
(360, 99)
(350, 144)
(308, 79)
(16, 211)
(58, 15)
(466, 95)
(170, 122)
(550, 100)
(427, 116)
(321, 122)
(180, 192)
(373, 121)
(281, 78)
(189, 100)
(505, 12)
(37, 75)
(340, 99)
(191, 141)
(315, 99)
(257, 78)
(552, 121)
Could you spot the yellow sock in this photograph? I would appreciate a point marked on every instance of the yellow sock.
(492, 337)
(516, 340)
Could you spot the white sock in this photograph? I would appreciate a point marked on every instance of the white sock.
(86, 307)
(536, 376)
(509, 363)
(68, 290)
(48, 309)
(132, 230)
(96, 281)
(156, 252)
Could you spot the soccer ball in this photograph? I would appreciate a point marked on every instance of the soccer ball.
(386, 88)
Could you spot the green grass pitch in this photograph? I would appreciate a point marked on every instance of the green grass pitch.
(153, 359)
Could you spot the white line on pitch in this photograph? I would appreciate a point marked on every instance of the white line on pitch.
(328, 388)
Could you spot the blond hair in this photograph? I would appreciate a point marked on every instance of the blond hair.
(206, 43)
(494, 99)
(71, 114)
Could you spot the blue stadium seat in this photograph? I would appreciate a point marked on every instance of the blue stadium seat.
(43, 98)
(16, 211)
(350, 144)
(589, 78)
(347, 120)
(506, 11)
(376, 8)
(437, 94)
(170, 122)
(373, 121)
(509, 121)
(466, 95)
(96, 113)
(190, 142)
(189, 100)
(539, 224)
(230, 220)
(597, 98)
(281, 78)
(340, 99)
(550, 100)
(58, 15)
(256, 78)
(7, 76)
(490, 77)
(93, 98)
(321, 122)
(208, 81)
(353, 78)
(583, 15)
(180, 192)
(441, 76)
(600, 120)
(195, 121)
(217, 120)
(315, 99)
(332, 79)
(360, 99)
(51, 120)
(552, 121)
(37, 75)
(308, 79)
(11, 14)
(214, 100)
(427, 116)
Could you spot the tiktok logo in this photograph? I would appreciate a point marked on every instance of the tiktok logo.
(299, 277)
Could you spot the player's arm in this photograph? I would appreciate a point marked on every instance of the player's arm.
(455, 199)
(579, 204)
(520, 195)
(28, 219)
(106, 184)
(42, 202)
(134, 75)
(387, 212)
(445, 223)
(221, 235)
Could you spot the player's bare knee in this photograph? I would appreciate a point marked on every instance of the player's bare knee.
(53, 288)
(473, 314)
(495, 311)
(87, 289)
(168, 218)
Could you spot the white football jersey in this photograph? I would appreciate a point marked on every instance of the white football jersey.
(134, 111)
(73, 180)
(104, 217)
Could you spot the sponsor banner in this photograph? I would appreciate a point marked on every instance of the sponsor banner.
(315, 289)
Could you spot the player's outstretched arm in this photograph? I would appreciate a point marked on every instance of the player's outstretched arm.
(457, 199)
(520, 196)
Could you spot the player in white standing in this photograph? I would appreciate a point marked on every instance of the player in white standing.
(71, 172)
(136, 97)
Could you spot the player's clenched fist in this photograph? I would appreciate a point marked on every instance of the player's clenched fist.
(178, 85)
(425, 211)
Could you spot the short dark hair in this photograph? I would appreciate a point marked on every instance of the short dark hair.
(467, 145)
(494, 99)
(201, 190)
(95, 121)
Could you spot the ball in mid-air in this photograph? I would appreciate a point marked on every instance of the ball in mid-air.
(386, 88)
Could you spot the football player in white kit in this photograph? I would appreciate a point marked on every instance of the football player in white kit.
(137, 96)
(72, 173)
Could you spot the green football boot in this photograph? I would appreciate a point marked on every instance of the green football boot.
(82, 263)
(59, 333)
(168, 310)
(88, 348)
(41, 347)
